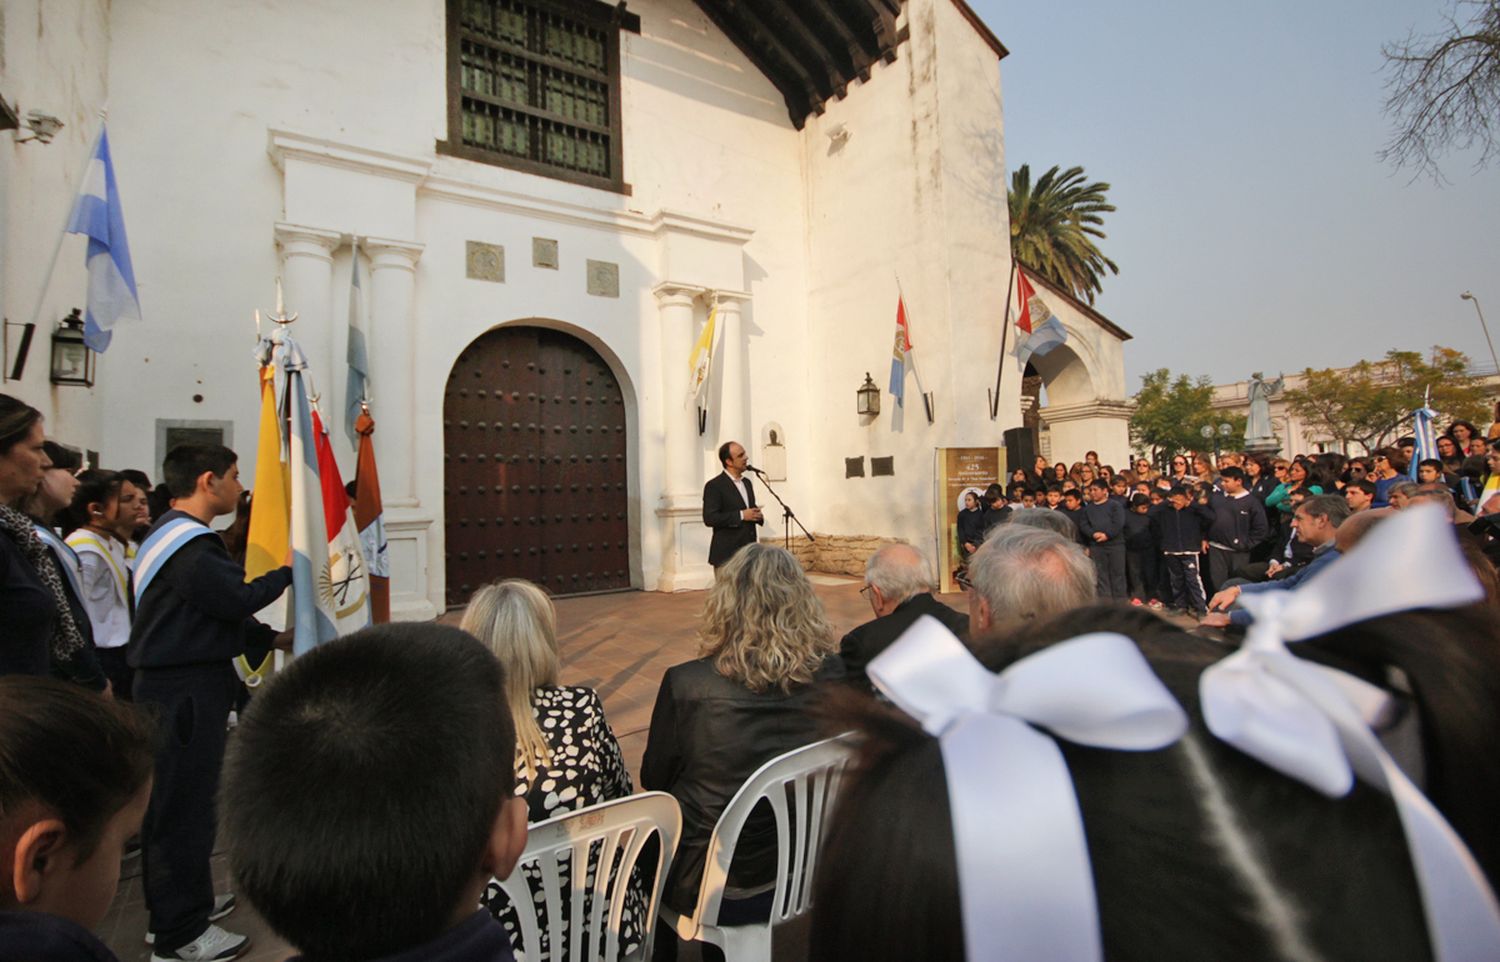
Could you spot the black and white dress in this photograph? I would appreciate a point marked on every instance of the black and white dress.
(585, 768)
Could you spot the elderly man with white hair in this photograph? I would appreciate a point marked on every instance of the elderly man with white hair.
(1022, 573)
(898, 585)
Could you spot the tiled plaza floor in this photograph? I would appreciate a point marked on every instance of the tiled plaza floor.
(618, 644)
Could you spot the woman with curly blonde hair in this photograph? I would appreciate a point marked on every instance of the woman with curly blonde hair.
(768, 649)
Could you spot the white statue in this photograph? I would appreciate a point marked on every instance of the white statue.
(1258, 427)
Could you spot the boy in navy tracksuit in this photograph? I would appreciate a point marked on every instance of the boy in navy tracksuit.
(1141, 553)
(1181, 531)
(1102, 524)
(193, 616)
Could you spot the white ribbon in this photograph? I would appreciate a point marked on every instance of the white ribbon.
(1025, 881)
(1312, 723)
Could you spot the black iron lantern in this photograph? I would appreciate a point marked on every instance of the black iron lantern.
(867, 398)
(72, 361)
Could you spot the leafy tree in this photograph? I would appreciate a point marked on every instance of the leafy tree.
(1370, 404)
(1443, 90)
(1171, 412)
(1052, 226)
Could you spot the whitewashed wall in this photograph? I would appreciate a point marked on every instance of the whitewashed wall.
(54, 58)
(918, 188)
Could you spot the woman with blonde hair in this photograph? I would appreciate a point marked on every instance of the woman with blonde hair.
(567, 757)
(767, 649)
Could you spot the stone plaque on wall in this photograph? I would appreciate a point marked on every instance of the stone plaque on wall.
(544, 253)
(604, 279)
(882, 467)
(854, 467)
(485, 262)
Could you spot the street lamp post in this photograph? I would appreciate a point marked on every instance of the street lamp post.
(1483, 326)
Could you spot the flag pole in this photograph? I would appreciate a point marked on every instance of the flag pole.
(62, 235)
(1004, 339)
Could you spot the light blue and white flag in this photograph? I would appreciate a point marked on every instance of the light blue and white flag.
(313, 618)
(357, 389)
(1037, 329)
(97, 214)
(1426, 438)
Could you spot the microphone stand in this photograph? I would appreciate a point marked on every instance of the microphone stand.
(786, 513)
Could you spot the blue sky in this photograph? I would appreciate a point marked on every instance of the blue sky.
(1257, 229)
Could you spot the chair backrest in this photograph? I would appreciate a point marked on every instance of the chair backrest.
(801, 787)
(597, 847)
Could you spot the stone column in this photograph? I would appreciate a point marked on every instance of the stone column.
(734, 366)
(683, 566)
(392, 353)
(307, 282)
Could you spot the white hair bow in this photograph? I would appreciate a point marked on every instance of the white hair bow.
(1306, 721)
(1025, 881)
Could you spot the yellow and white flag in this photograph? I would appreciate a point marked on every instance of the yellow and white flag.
(702, 358)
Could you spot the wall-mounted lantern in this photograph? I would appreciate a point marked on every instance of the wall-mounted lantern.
(867, 398)
(72, 361)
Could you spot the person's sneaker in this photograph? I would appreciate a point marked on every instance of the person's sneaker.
(1155, 605)
(1136, 602)
(223, 905)
(214, 945)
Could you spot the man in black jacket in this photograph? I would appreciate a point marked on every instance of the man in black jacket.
(898, 585)
(1239, 524)
(729, 506)
(193, 616)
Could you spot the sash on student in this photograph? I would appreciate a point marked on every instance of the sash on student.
(84, 540)
(160, 546)
(67, 558)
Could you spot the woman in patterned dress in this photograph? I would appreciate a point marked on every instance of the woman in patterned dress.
(567, 757)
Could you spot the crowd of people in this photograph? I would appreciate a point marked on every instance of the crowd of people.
(376, 790)
(1175, 536)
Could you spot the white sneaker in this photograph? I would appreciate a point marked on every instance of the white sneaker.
(223, 905)
(214, 944)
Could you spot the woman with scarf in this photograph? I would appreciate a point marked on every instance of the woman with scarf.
(42, 635)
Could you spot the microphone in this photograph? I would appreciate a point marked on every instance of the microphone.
(751, 467)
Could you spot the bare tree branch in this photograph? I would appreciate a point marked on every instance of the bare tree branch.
(1443, 91)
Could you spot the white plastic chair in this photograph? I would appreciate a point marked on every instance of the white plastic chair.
(613, 834)
(809, 777)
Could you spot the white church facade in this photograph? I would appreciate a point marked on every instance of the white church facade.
(548, 199)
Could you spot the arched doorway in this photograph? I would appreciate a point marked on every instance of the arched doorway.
(534, 471)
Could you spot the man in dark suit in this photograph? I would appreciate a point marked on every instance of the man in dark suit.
(898, 584)
(729, 506)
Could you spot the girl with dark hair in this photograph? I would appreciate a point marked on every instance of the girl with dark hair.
(1197, 850)
(1060, 472)
(75, 778)
(1462, 432)
(100, 522)
(1390, 469)
(1178, 472)
(1298, 478)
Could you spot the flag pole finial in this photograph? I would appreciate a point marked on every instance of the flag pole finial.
(281, 317)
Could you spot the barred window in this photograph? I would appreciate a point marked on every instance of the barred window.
(535, 85)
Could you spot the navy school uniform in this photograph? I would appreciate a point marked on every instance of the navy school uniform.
(192, 620)
(1107, 519)
(1180, 535)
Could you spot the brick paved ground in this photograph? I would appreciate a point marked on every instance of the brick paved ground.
(618, 644)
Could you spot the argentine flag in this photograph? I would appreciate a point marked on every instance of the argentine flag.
(97, 214)
(1037, 329)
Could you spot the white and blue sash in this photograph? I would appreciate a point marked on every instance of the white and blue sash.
(160, 546)
(67, 558)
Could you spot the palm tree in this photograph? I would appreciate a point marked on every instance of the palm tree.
(1052, 225)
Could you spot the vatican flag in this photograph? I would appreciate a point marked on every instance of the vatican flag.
(702, 358)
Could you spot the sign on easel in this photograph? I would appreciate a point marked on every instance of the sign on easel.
(960, 470)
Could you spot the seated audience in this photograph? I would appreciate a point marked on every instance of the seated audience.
(1317, 521)
(75, 777)
(1024, 573)
(898, 585)
(1360, 495)
(567, 757)
(369, 795)
(767, 653)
